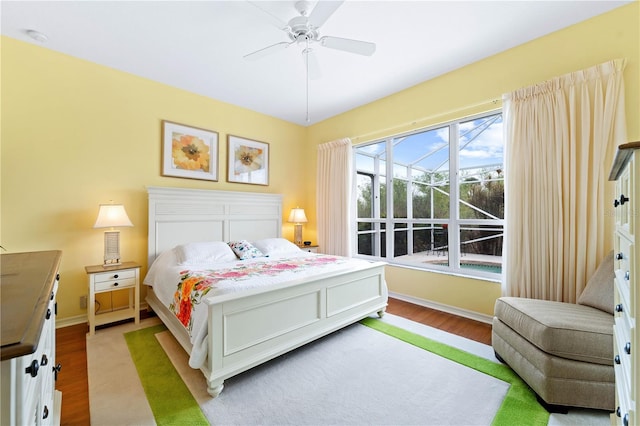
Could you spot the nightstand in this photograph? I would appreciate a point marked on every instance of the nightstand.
(313, 248)
(125, 276)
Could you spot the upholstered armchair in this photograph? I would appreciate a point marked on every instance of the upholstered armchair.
(564, 351)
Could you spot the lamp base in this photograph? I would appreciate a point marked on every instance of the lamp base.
(297, 235)
(112, 248)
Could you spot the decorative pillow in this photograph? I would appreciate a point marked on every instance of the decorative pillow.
(204, 252)
(245, 250)
(599, 290)
(276, 246)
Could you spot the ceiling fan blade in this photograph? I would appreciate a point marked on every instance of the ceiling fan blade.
(267, 51)
(311, 60)
(349, 45)
(322, 12)
(277, 22)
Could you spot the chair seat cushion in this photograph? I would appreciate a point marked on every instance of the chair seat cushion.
(566, 330)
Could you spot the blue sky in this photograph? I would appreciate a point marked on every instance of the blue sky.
(485, 149)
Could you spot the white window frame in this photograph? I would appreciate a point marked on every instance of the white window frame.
(455, 224)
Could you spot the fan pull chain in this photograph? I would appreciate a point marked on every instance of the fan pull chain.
(307, 63)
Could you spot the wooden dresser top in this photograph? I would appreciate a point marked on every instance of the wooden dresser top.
(26, 285)
(622, 158)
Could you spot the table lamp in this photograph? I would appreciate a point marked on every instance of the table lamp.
(112, 216)
(297, 217)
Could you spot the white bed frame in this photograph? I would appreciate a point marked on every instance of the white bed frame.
(252, 327)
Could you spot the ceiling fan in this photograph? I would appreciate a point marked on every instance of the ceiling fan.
(304, 30)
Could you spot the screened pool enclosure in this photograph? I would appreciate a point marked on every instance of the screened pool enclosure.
(434, 198)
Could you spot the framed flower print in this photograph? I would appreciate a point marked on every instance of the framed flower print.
(247, 161)
(189, 152)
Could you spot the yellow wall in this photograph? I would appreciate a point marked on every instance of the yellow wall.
(464, 92)
(76, 134)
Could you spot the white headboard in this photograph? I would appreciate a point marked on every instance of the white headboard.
(178, 216)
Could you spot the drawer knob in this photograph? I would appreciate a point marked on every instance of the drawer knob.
(616, 359)
(623, 199)
(115, 284)
(48, 315)
(619, 256)
(56, 370)
(616, 203)
(115, 276)
(627, 348)
(625, 419)
(619, 307)
(45, 412)
(32, 369)
(57, 277)
(627, 276)
(618, 412)
(44, 361)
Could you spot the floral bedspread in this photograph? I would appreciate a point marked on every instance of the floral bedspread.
(195, 284)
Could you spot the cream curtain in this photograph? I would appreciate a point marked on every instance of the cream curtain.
(558, 134)
(334, 197)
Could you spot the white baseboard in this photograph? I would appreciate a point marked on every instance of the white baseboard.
(444, 308)
(69, 321)
(82, 319)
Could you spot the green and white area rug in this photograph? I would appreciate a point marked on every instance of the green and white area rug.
(389, 371)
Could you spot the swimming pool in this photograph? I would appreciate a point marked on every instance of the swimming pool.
(494, 269)
(491, 268)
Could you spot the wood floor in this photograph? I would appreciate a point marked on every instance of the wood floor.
(72, 353)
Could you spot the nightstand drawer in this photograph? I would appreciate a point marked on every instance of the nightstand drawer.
(310, 248)
(114, 284)
(114, 275)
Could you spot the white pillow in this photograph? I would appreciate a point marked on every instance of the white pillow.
(204, 252)
(276, 246)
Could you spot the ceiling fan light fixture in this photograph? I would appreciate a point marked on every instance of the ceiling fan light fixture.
(303, 30)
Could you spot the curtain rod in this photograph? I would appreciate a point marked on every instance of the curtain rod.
(429, 117)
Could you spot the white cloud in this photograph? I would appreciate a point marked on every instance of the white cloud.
(489, 144)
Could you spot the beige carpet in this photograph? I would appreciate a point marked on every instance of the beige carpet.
(116, 396)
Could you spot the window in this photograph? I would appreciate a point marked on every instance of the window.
(434, 199)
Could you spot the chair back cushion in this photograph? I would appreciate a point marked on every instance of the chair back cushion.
(599, 290)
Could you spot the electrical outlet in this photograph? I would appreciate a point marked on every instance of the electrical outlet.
(83, 302)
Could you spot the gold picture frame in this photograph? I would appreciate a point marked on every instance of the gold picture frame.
(189, 152)
(247, 161)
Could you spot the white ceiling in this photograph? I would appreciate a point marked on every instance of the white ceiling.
(199, 45)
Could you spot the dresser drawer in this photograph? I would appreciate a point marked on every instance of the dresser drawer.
(623, 202)
(623, 307)
(624, 252)
(622, 359)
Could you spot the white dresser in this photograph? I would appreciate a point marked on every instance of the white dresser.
(29, 282)
(626, 173)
